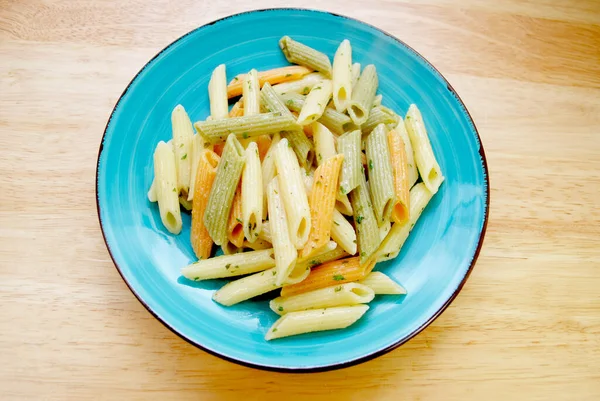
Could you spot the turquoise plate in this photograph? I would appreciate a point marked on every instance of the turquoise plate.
(434, 262)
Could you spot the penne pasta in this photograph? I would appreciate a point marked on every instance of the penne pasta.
(301, 145)
(401, 207)
(343, 233)
(217, 93)
(301, 86)
(363, 94)
(238, 108)
(245, 127)
(268, 170)
(391, 245)
(252, 194)
(237, 264)
(382, 284)
(315, 103)
(294, 323)
(165, 177)
(322, 205)
(235, 226)
(183, 132)
(223, 190)
(274, 76)
(336, 122)
(331, 273)
(377, 100)
(199, 237)
(257, 245)
(429, 169)
(340, 295)
(197, 149)
(342, 76)
(152, 192)
(285, 251)
(367, 230)
(251, 93)
(298, 53)
(229, 248)
(265, 233)
(381, 179)
(293, 194)
(349, 145)
(245, 288)
(413, 174)
(379, 115)
(355, 73)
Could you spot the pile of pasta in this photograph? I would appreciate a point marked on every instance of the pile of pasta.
(306, 183)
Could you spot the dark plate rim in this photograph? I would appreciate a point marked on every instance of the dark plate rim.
(362, 358)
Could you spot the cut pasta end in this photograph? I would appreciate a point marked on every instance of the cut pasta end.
(302, 233)
(357, 114)
(172, 223)
(400, 213)
(340, 99)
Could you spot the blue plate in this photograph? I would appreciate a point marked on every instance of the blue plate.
(434, 262)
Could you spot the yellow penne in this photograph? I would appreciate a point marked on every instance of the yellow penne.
(322, 204)
(401, 207)
(333, 273)
(207, 169)
(274, 76)
(235, 227)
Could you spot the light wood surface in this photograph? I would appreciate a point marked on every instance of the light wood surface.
(526, 325)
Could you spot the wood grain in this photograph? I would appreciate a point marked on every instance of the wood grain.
(525, 327)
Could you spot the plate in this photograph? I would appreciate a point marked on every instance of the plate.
(433, 264)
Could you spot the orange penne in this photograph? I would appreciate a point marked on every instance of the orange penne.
(400, 211)
(207, 169)
(274, 76)
(332, 273)
(264, 143)
(218, 148)
(322, 203)
(235, 227)
(238, 108)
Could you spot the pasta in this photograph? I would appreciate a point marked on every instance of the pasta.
(331, 273)
(429, 169)
(322, 205)
(342, 76)
(166, 187)
(379, 115)
(199, 237)
(247, 287)
(340, 295)
(343, 233)
(197, 149)
(235, 227)
(229, 265)
(217, 93)
(315, 320)
(381, 179)
(221, 195)
(183, 132)
(285, 251)
(413, 174)
(382, 284)
(363, 95)
(315, 102)
(349, 146)
(367, 230)
(401, 207)
(293, 194)
(251, 93)
(336, 122)
(273, 183)
(298, 53)
(274, 76)
(252, 194)
(301, 86)
(245, 127)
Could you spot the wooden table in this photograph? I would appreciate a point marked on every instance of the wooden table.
(525, 327)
